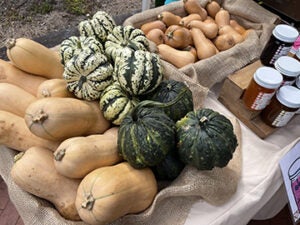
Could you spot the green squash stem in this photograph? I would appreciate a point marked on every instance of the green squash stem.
(150, 103)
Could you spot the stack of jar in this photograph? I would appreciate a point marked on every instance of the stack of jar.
(273, 88)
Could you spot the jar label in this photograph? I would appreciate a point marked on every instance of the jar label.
(262, 100)
(282, 50)
(288, 82)
(283, 118)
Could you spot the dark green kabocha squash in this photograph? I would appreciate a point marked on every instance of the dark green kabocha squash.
(87, 74)
(145, 136)
(205, 139)
(125, 37)
(99, 26)
(169, 168)
(138, 72)
(167, 91)
(74, 45)
(115, 103)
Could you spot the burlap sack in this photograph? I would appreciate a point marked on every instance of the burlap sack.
(174, 200)
(205, 73)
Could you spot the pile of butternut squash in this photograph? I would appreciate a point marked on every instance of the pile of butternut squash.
(68, 150)
(201, 33)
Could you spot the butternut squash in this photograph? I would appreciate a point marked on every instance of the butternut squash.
(15, 134)
(34, 172)
(108, 193)
(226, 29)
(192, 50)
(210, 30)
(224, 41)
(14, 99)
(54, 88)
(178, 58)
(58, 118)
(178, 37)
(11, 74)
(76, 157)
(35, 58)
(237, 27)
(187, 19)
(169, 18)
(156, 35)
(212, 7)
(194, 6)
(156, 24)
(222, 18)
(204, 46)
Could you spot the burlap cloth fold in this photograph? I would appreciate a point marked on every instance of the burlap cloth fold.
(174, 200)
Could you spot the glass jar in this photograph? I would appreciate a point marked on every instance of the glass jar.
(289, 68)
(261, 88)
(280, 43)
(282, 107)
(297, 55)
(295, 47)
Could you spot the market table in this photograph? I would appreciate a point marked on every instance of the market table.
(261, 192)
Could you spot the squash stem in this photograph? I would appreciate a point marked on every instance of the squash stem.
(60, 154)
(88, 203)
(150, 103)
(18, 156)
(10, 43)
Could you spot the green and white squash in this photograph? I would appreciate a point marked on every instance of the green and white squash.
(145, 136)
(99, 26)
(115, 103)
(206, 139)
(125, 36)
(138, 72)
(88, 74)
(74, 45)
(167, 91)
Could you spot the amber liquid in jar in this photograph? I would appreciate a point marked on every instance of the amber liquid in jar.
(256, 96)
(271, 115)
(282, 107)
(261, 88)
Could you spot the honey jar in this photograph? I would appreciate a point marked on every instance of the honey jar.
(282, 107)
(280, 43)
(261, 88)
(289, 68)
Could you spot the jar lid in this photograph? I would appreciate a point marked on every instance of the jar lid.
(288, 66)
(285, 33)
(289, 96)
(268, 77)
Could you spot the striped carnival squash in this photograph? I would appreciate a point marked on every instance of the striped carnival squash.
(205, 139)
(125, 36)
(115, 103)
(138, 72)
(99, 26)
(88, 74)
(74, 45)
(167, 91)
(146, 135)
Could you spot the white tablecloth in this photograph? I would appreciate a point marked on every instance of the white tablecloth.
(261, 193)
